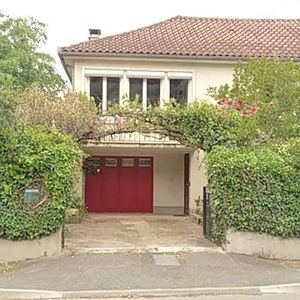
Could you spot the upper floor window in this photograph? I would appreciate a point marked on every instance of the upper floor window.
(148, 90)
(179, 90)
(105, 91)
(136, 88)
(96, 90)
(153, 91)
(113, 91)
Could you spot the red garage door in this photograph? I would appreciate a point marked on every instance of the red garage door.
(119, 184)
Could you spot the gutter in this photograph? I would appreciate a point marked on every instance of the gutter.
(62, 53)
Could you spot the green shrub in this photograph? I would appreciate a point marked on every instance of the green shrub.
(27, 156)
(255, 190)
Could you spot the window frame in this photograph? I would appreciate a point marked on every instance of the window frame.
(104, 87)
(144, 96)
(188, 83)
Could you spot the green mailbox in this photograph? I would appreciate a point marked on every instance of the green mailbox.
(31, 195)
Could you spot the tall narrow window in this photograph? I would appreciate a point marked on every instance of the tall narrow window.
(136, 88)
(96, 90)
(153, 91)
(179, 90)
(113, 91)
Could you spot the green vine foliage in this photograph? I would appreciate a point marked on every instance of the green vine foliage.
(199, 124)
(28, 155)
(255, 189)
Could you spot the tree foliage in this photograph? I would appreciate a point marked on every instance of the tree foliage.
(21, 63)
(72, 114)
(273, 86)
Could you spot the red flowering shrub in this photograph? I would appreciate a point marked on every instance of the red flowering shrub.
(237, 105)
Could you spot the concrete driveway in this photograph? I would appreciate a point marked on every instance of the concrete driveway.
(101, 233)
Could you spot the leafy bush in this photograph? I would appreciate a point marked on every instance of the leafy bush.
(273, 86)
(255, 190)
(30, 155)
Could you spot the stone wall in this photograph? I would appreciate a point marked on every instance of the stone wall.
(20, 250)
(262, 245)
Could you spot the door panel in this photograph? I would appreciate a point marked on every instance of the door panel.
(128, 191)
(145, 184)
(109, 177)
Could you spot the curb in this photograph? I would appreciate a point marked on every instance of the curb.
(292, 288)
(22, 294)
(152, 250)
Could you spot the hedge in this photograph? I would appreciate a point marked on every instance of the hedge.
(255, 190)
(32, 156)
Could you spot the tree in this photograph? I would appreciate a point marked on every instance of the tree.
(270, 86)
(21, 64)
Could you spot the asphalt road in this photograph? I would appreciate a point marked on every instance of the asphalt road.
(147, 271)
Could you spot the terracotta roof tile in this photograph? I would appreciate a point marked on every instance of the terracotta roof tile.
(200, 37)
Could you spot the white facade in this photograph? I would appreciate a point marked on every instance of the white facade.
(168, 156)
(201, 74)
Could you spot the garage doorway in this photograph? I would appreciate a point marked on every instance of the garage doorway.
(119, 184)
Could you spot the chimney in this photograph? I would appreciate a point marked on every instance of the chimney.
(94, 34)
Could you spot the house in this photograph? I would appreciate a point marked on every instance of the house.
(177, 58)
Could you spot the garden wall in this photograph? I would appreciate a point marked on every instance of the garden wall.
(20, 250)
(262, 245)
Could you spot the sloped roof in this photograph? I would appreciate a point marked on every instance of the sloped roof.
(202, 37)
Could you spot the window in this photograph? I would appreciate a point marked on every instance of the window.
(145, 162)
(109, 85)
(148, 90)
(127, 162)
(136, 88)
(179, 90)
(96, 90)
(153, 91)
(110, 162)
(113, 90)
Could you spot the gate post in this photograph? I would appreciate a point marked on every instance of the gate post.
(206, 213)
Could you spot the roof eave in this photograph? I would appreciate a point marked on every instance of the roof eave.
(161, 56)
(61, 57)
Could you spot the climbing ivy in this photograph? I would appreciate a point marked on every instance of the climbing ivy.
(32, 157)
(255, 189)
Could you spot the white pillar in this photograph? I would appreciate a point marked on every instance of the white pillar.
(165, 90)
(104, 93)
(144, 98)
(190, 91)
(124, 90)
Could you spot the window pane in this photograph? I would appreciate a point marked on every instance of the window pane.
(110, 162)
(127, 162)
(179, 90)
(153, 91)
(96, 90)
(145, 162)
(93, 161)
(113, 91)
(135, 88)
(92, 165)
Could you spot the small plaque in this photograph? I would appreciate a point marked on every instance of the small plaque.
(31, 195)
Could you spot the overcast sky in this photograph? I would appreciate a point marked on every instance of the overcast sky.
(68, 21)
